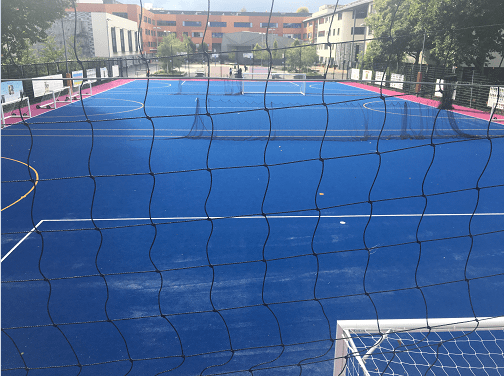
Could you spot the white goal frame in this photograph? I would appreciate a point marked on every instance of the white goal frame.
(76, 90)
(4, 118)
(350, 358)
(278, 83)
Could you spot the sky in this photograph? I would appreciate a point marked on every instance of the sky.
(237, 5)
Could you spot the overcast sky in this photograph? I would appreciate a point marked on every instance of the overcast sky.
(237, 5)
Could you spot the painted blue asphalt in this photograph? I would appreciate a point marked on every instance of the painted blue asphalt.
(258, 245)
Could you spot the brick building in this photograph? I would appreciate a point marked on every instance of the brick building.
(156, 23)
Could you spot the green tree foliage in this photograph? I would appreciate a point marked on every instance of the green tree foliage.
(302, 10)
(302, 57)
(276, 54)
(171, 51)
(456, 31)
(73, 47)
(24, 22)
(260, 54)
(51, 51)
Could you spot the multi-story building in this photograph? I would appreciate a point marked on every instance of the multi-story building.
(193, 24)
(344, 28)
(97, 34)
(156, 23)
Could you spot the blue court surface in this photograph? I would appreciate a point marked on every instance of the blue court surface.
(179, 227)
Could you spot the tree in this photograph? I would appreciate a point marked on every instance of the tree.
(303, 56)
(51, 51)
(276, 54)
(170, 51)
(24, 22)
(302, 10)
(467, 32)
(456, 31)
(397, 30)
(259, 53)
(70, 42)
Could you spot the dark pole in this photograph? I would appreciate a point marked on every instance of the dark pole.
(64, 44)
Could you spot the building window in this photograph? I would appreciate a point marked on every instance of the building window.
(340, 16)
(321, 21)
(145, 18)
(149, 21)
(130, 41)
(197, 34)
(321, 33)
(338, 31)
(243, 24)
(217, 24)
(185, 33)
(147, 32)
(292, 25)
(167, 23)
(304, 36)
(136, 41)
(270, 25)
(121, 37)
(120, 14)
(217, 35)
(361, 13)
(114, 41)
(358, 31)
(191, 23)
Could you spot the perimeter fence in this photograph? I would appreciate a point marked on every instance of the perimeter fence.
(471, 88)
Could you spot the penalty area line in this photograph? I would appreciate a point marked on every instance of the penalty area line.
(22, 240)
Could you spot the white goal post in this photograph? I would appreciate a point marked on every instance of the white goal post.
(447, 346)
(275, 83)
(14, 105)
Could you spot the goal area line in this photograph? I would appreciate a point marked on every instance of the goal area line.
(244, 217)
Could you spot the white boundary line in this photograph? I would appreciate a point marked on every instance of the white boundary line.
(245, 217)
(22, 240)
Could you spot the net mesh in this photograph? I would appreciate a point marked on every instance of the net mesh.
(453, 352)
(162, 249)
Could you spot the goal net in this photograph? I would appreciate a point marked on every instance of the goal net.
(449, 346)
(275, 83)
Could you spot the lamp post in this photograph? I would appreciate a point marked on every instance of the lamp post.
(364, 46)
(64, 44)
(156, 28)
(108, 37)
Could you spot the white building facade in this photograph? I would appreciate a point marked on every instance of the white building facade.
(345, 29)
(97, 34)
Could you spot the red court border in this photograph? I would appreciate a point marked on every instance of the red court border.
(100, 88)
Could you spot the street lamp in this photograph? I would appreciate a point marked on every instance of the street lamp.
(157, 41)
(64, 44)
(364, 47)
(157, 35)
(108, 37)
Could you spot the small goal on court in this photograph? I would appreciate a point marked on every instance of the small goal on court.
(275, 83)
(448, 346)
